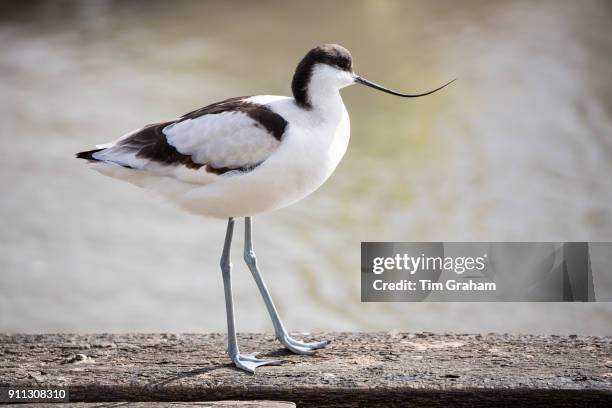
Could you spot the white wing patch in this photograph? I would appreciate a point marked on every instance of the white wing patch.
(227, 139)
(122, 156)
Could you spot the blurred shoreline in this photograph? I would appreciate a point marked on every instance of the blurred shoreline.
(520, 148)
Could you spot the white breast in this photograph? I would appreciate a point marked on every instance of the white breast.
(312, 148)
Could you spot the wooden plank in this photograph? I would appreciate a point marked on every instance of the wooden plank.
(201, 404)
(363, 369)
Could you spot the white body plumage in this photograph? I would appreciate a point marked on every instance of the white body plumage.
(287, 170)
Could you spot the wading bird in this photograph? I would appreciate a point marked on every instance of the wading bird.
(244, 156)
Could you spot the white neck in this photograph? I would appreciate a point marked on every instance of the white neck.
(326, 101)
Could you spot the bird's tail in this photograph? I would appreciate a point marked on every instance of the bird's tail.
(88, 155)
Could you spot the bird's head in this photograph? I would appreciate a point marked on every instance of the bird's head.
(330, 67)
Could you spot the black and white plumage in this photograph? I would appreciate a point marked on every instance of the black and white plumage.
(203, 137)
(244, 156)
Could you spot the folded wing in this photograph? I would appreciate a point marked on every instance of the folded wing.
(232, 135)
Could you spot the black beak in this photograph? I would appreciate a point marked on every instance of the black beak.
(365, 82)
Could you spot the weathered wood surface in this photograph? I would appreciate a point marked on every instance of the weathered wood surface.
(202, 404)
(356, 369)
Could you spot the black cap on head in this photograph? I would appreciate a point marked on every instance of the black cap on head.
(329, 54)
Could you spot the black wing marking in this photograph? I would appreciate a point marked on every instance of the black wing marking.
(151, 143)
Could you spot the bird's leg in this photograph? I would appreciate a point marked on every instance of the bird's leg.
(281, 333)
(246, 362)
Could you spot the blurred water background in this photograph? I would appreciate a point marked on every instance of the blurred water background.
(520, 148)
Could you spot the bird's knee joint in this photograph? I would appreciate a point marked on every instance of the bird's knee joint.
(250, 258)
(226, 265)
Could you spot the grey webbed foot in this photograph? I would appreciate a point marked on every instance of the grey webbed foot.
(248, 362)
(300, 347)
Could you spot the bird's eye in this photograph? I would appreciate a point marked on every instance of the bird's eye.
(344, 64)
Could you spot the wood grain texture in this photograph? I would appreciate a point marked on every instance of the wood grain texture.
(201, 404)
(356, 369)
